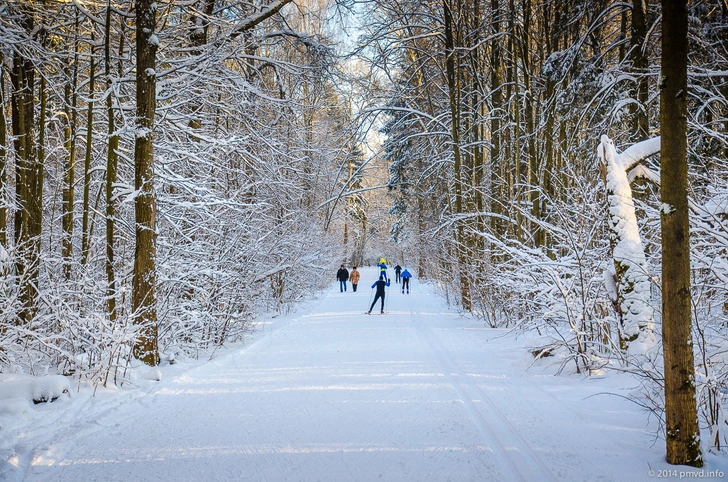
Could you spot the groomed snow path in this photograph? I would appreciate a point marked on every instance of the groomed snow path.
(332, 394)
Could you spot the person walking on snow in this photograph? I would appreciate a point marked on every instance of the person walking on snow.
(380, 285)
(342, 275)
(354, 278)
(397, 271)
(405, 280)
(383, 268)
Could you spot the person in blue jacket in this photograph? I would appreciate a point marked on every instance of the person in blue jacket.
(380, 285)
(405, 280)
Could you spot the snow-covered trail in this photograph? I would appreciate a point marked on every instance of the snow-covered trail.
(333, 394)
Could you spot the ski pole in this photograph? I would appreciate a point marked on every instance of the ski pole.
(386, 300)
(371, 293)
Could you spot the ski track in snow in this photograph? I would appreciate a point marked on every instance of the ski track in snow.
(519, 457)
(332, 394)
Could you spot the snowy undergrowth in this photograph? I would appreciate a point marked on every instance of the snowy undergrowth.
(564, 297)
(207, 298)
(558, 293)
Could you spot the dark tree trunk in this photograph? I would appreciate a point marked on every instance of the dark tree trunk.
(496, 100)
(639, 64)
(29, 178)
(681, 421)
(454, 99)
(69, 171)
(85, 223)
(112, 161)
(3, 159)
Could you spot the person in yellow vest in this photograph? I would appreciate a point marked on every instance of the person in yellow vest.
(383, 268)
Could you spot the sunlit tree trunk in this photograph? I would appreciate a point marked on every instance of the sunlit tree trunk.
(682, 434)
(144, 298)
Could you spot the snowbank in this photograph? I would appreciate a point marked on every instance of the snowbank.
(35, 389)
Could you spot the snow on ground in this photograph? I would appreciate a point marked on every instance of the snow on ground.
(333, 394)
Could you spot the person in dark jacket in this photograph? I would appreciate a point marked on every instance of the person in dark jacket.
(342, 275)
(397, 271)
(380, 285)
(405, 280)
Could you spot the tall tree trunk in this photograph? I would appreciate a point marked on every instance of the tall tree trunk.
(112, 161)
(534, 164)
(506, 168)
(3, 159)
(682, 434)
(69, 171)
(144, 298)
(496, 101)
(454, 98)
(519, 180)
(29, 176)
(641, 125)
(85, 228)
(548, 187)
(200, 20)
(622, 34)
(553, 35)
(724, 80)
(43, 114)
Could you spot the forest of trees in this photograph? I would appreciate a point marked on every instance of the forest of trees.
(160, 190)
(540, 224)
(171, 169)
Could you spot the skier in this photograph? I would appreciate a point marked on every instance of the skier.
(397, 271)
(405, 280)
(383, 268)
(354, 278)
(342, 275)
(380, 293)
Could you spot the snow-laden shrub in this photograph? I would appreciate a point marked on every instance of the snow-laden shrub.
(36, 389)
(557, 291)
